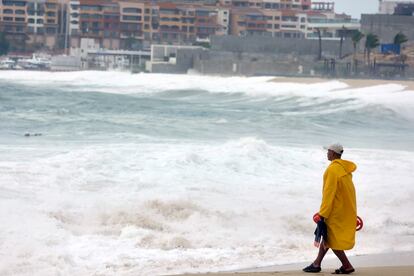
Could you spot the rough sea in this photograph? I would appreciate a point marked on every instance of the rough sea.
(152, 174)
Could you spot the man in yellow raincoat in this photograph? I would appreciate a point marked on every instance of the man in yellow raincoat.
(338, 210)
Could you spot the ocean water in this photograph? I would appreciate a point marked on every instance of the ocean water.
(151, 174)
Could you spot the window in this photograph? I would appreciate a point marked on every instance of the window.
(90, 8)
(51, 6)
(131, 18)
(8, 11)
(51, 14)
(290, 18)
(202, 13)
(131, 10)
(50, 30)
(40, 21)
(19, 12)
(19, 19)
(289, 26)
(31, 21)
(51, 21)
(96, 16)
(7, 18)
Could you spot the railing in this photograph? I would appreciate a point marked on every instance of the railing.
(332, 21)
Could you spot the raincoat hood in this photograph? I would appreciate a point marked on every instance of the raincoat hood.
(345, 167)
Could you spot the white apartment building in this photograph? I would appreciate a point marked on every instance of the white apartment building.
(223, 19)
(36, 16)
(388, 6)
(74, 17)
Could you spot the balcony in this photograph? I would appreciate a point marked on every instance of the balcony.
(332, 21)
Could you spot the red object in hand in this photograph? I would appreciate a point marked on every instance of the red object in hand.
(359, 223)
(316, 217)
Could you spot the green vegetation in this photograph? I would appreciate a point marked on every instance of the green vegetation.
(4, 44)
(371, 42)
(400, 38)
(356, 38)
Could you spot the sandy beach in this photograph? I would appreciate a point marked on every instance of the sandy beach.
(378, 271)
(395, 264)
(352, 83)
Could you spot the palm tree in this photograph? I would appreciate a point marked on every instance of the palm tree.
(318, 31)
(342, 33)
(356, 38)
(371, 42)
(400, 38)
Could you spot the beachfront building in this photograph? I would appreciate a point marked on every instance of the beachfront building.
(247, 21)
(332, 26)
(73, 18)
(131, 20)
(136, 24)
(188, 23)
(31, 22)
(99, 20)
(13, 21)
(277, 18)
(395, 7)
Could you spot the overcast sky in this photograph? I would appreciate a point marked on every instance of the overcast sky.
(355, 7)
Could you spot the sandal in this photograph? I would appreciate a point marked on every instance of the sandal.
(342, 270)
(312, 269)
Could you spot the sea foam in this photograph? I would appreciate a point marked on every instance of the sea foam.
(164, 174)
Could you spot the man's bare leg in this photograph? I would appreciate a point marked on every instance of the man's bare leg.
(344, 260)
(321, 255)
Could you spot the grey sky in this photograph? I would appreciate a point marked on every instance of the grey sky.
(355, 7)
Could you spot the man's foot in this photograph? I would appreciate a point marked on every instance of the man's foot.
(312, 268)
(342, 270)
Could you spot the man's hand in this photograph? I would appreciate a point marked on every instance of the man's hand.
(317, 218)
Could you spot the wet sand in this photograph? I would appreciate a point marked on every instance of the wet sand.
(372, 271)
(352, 83)
(388, 264)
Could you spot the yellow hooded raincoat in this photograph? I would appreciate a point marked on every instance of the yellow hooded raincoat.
(339, 204)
